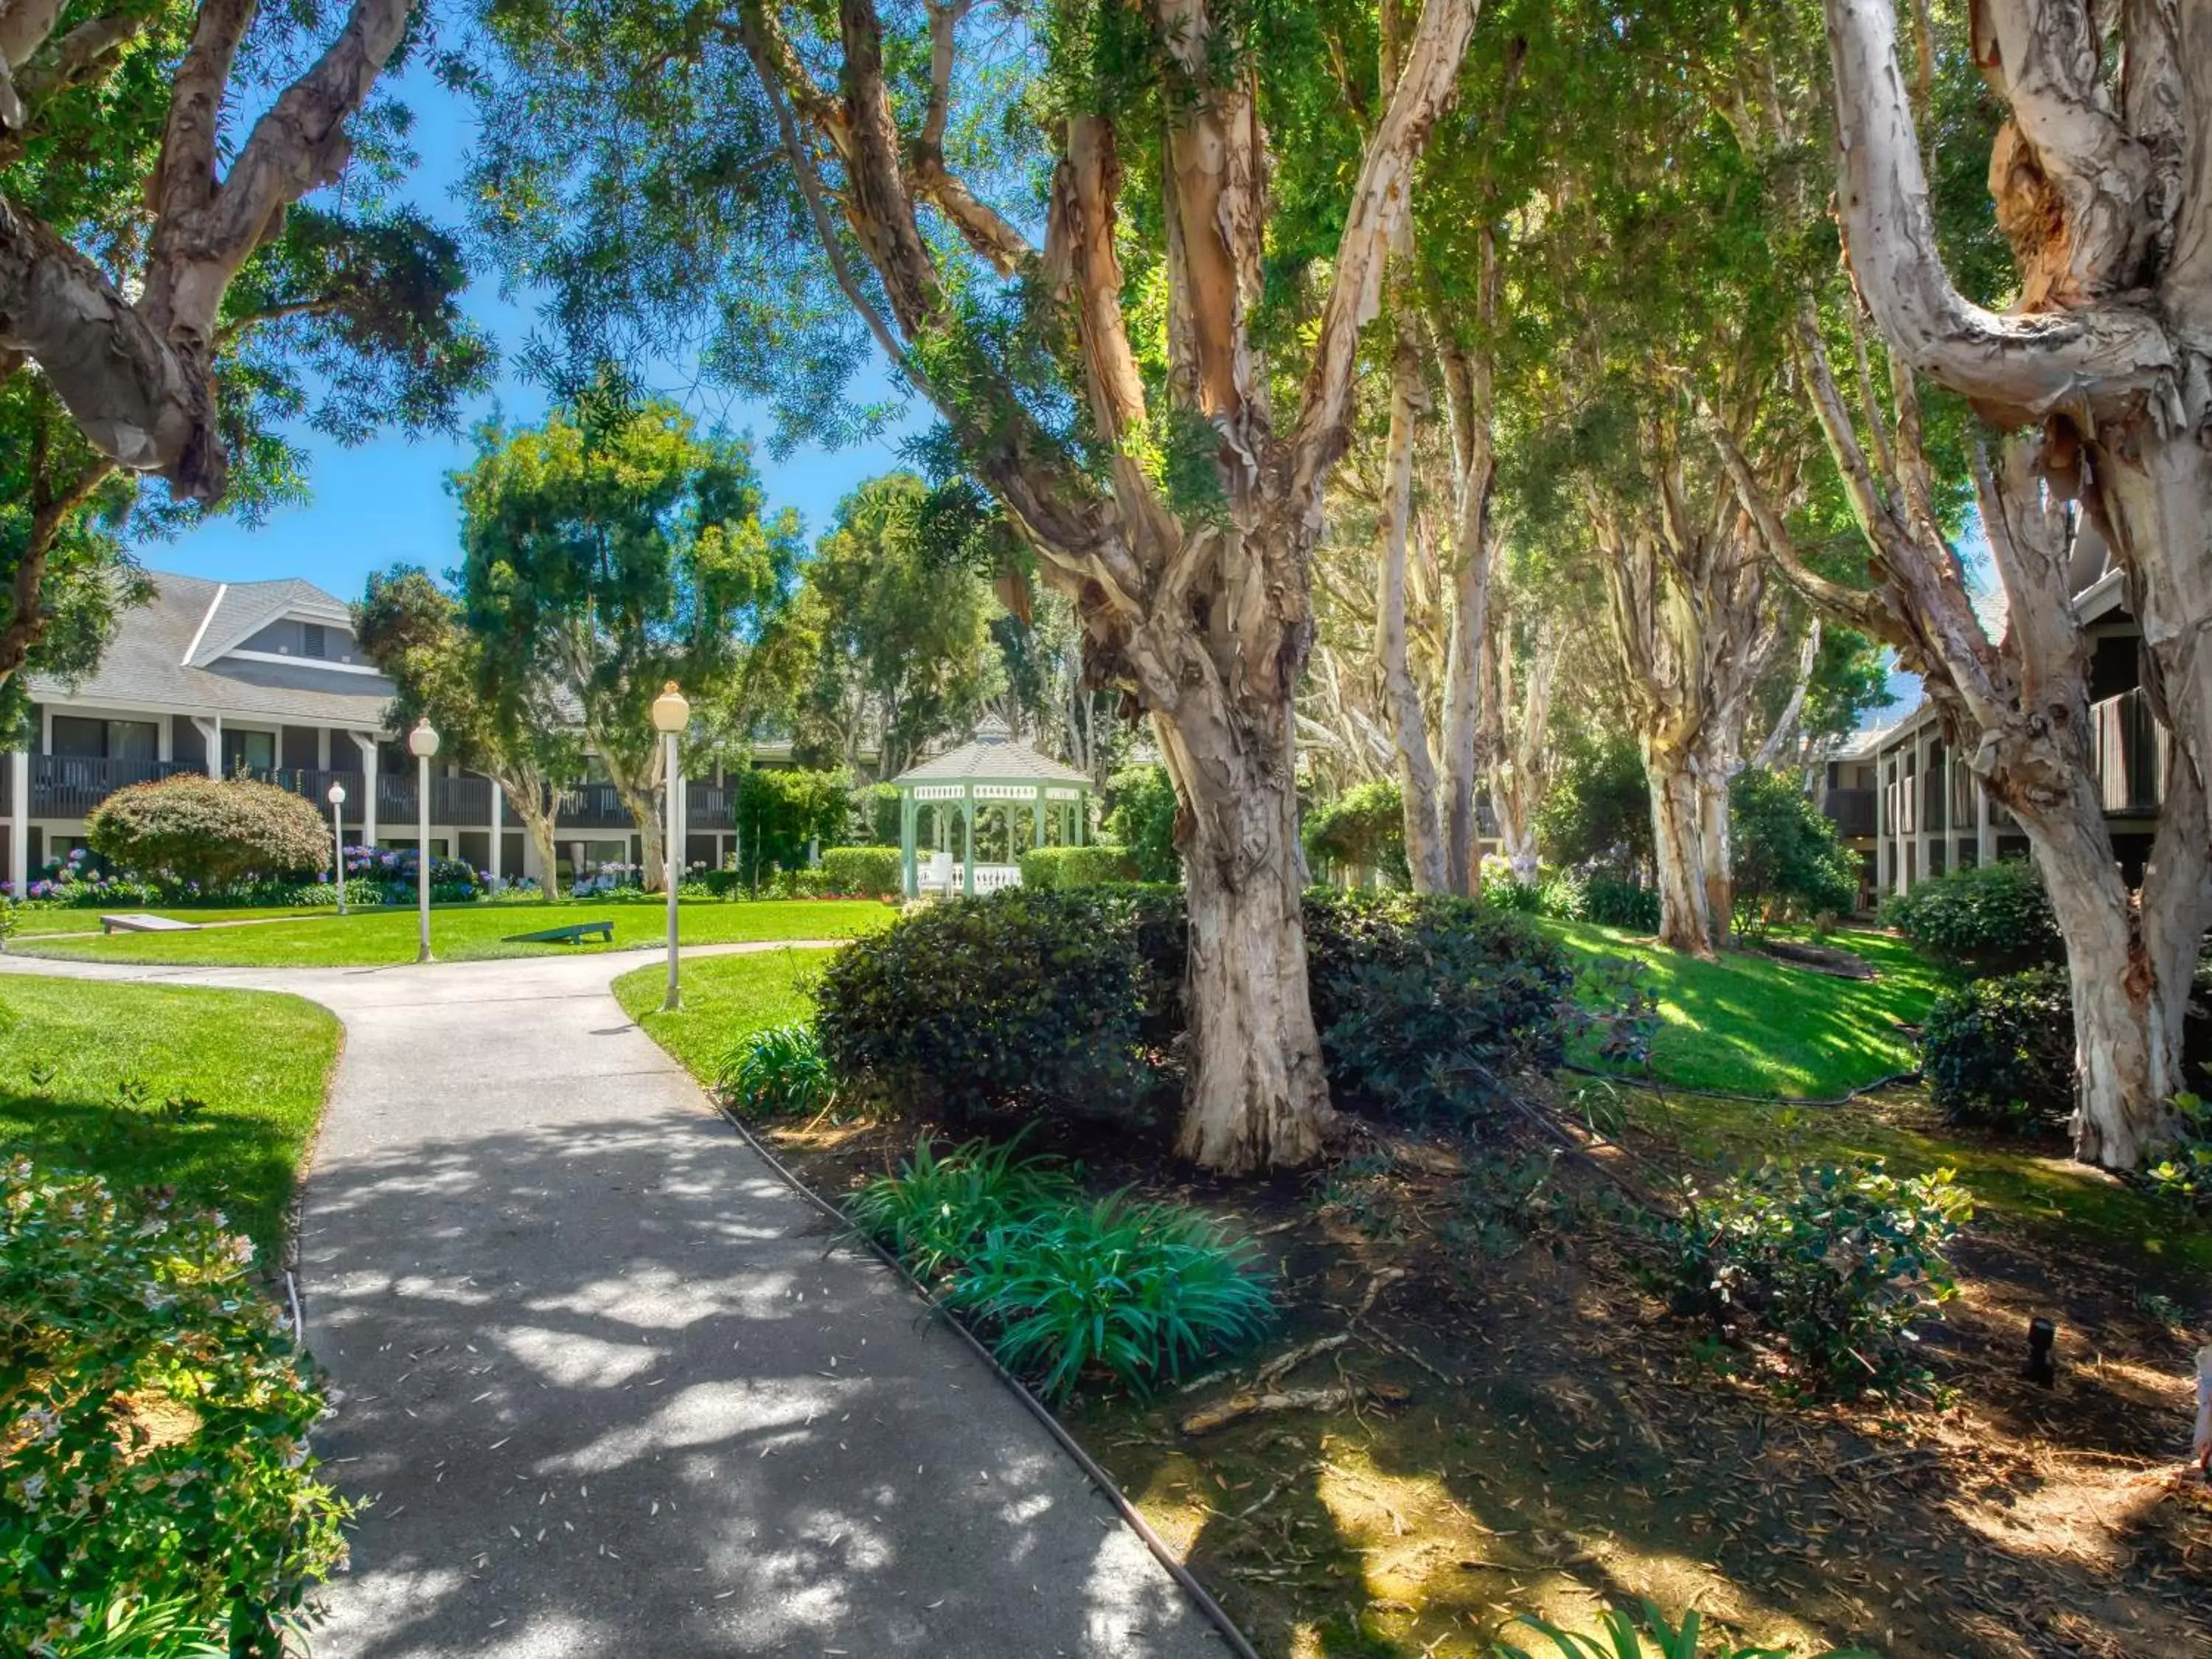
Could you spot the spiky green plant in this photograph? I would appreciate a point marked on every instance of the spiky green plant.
(128, 1628)
(936, 1209)
(777, 1072)
(1138, 1290)
(1624, 1633)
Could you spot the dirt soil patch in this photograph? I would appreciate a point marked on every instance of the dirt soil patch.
(1820, 958)
(1512, 1421)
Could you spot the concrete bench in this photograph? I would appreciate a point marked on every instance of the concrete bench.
(135, 921)
(574, 934)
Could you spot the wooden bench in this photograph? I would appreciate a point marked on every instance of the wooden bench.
(136, 921)
(574, 934)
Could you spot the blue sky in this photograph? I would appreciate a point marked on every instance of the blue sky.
(386, 501)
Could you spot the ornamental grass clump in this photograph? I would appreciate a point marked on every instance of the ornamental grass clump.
(1140, 1291)
(1063, 1288)
(780, 1072)
(153, 1423)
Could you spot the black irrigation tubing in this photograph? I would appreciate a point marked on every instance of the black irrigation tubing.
(1167, 1558)
(1655, 1086)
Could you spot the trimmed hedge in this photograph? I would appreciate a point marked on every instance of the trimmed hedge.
(1070, 1002)
(2000, 1051)
(1987, 919)
(865, 871)
(213, 831)
(1061, 869)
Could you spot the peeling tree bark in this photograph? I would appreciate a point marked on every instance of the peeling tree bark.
(1409, 729)
(137, 375)
(1205, 623)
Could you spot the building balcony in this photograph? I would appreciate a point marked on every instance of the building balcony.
(1851, 811)
(2129, 753)
(70, 786)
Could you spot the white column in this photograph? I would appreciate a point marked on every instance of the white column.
(210, 730)
(498, 824)
(1882, 828)
(18, 823)
(165, 741)
(367, 747)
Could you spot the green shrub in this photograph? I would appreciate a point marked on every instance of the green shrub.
(935, 1211)
(1985, 919)
(1529, 898)
(1363, 829)
(1609, 902)
(1140, 1291)
(1836, 1262)
(1050, 869)
(865, 871)
(780, 813)
(1021, 1002)
(153, 1421)
(1427, 1005)
(2181, 1170)
(128, 1628)
(1597, 813)
(1625, 1633)
(1143, 819)
(1785, 858)
(213, 832)
(777, 1072)
(2000, 1051)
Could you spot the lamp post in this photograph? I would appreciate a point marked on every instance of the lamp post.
(336, 799)
(423, 742)
(671, 715)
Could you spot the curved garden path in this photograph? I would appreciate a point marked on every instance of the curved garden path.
(610, 1389)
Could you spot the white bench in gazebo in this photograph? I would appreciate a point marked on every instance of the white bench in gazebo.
(990, 768)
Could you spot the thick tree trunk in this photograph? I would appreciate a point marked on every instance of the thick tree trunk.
(1463, 757)
(1717, 846)
(1686, 918)
(540, 827)
(2127, 1018)
(2158, 497)
(1258, 1097)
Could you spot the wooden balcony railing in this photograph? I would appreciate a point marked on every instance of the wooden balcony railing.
(70, 786)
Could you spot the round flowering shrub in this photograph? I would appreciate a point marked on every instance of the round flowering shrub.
(154, 1419)
(210, 832)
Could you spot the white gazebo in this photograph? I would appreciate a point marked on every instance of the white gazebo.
(991, 767)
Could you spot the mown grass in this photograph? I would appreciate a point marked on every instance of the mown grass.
(86, 1072)
(464, 932)
(1749, 1023)
(725, 997)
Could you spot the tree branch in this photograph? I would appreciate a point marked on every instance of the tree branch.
(2017, 367)
(1379, 204)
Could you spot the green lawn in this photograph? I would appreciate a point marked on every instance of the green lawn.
(1749, 1023)
(725, 997)
(87, 1071)
(464, 932)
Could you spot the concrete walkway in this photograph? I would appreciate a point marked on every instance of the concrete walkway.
(608, 1389)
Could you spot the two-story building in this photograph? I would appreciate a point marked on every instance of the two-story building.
(266, 678)
(1907, 801)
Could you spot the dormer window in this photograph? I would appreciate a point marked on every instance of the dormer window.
(316, 641)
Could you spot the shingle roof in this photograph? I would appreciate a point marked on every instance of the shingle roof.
(992, 756)
(145, 667)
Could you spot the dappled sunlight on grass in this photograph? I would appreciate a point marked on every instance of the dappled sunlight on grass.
(1751, 1022)
(725, 997)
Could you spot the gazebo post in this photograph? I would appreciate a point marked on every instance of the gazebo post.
(968, 841)
(1040, 815)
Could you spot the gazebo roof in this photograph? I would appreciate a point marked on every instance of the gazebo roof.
(992, 756)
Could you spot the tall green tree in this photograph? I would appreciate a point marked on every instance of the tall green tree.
(496, 714)
(903, 655)
(611, 550)
(1157, 408)
(173, 288)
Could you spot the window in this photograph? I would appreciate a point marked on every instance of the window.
(255, 750)
(91, 739)
(316, 645)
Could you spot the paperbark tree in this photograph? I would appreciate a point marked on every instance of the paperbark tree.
(1185, 545)
(137, 373)
(1517, 715)
(2018, 708)
(2102, 177)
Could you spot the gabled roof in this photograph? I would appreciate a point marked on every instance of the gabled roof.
(244, 609)
(992, 756)
(167, 657)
